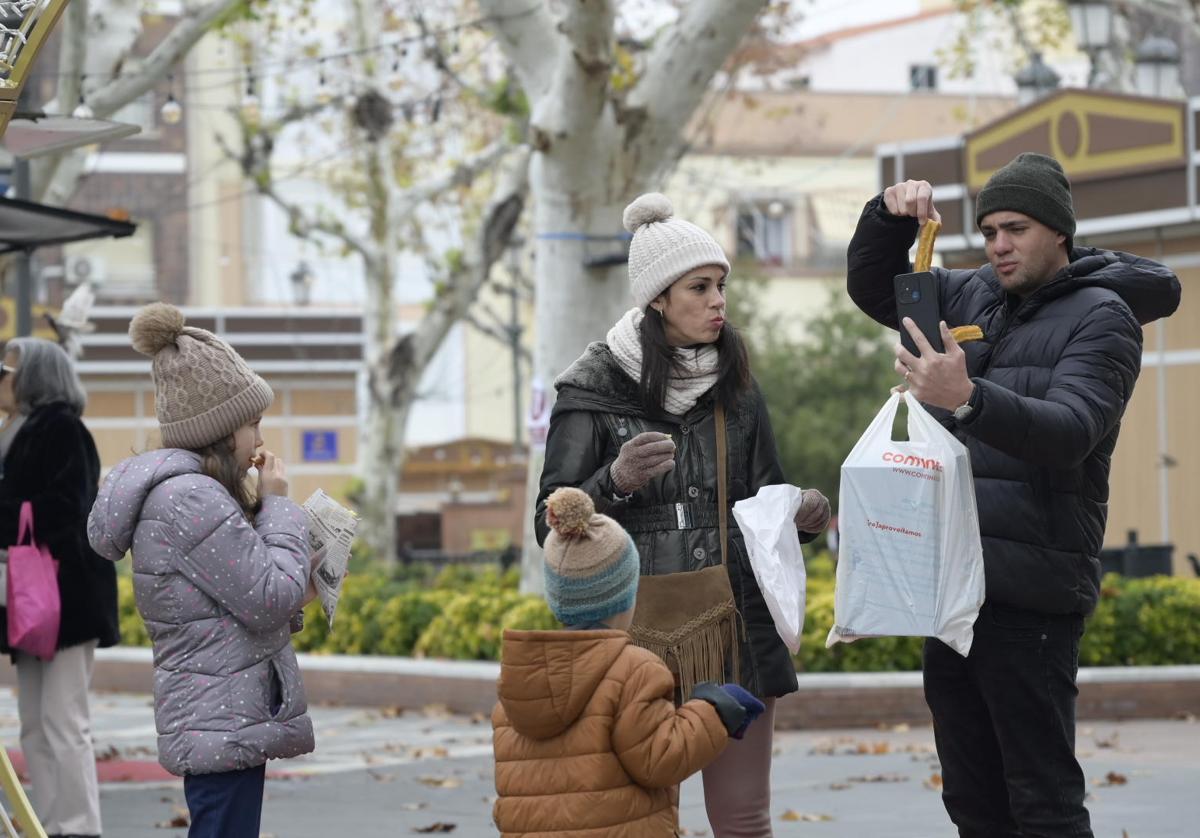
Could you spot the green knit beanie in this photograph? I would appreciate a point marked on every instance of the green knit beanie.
(1035, 185)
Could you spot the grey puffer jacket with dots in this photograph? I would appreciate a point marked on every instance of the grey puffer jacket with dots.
(217, 594)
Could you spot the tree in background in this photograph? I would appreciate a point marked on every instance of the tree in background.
(434, 170)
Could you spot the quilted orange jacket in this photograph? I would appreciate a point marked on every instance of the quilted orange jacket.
(588, 741)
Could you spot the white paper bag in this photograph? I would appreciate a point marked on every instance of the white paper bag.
(767, 522)
(910, 562)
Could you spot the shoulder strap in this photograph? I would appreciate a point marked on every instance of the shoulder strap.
(25, 525)
(722, 481)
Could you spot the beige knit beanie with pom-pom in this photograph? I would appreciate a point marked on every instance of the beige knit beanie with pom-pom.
(203, 390)
(664, 248)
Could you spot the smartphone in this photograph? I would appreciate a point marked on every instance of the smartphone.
(917, 297)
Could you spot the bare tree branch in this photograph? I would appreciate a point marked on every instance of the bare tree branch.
(679, 69)
(496, 230)
(193, 26)
(529, 37)
(498, 335)
(437, 55)
(464, 174)
(256, 168)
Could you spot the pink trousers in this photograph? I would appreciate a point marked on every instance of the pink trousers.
(737, 785)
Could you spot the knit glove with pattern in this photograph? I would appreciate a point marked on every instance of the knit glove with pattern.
(814, 512)
(645, 457)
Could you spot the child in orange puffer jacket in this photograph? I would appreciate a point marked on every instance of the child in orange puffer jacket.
(586, 733)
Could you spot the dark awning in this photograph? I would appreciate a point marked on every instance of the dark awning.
(25, 225)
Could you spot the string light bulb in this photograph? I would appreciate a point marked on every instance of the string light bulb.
(172, 111)
(251, 107)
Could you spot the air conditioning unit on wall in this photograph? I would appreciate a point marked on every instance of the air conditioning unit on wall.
(81, 269)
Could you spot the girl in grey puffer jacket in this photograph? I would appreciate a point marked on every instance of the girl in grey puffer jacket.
(219, 573)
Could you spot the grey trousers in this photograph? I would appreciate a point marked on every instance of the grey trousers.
(737, 784)
(56, 738)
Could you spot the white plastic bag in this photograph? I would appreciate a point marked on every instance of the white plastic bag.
(767, 522)
(910, 562)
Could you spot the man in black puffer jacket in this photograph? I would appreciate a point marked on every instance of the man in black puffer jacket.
(1038, 403)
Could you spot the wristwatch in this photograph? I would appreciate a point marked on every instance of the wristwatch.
(963, 412)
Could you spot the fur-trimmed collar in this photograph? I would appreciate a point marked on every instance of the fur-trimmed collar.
(595, 381)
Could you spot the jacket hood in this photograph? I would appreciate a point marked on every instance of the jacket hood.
(596, 382)
(118, 507)
(1151, 290)
(547, 677)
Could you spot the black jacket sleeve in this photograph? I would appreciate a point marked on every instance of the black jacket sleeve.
(878, 252)
(1091, 384)
(576, 455)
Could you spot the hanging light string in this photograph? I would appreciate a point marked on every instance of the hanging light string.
(322, 59)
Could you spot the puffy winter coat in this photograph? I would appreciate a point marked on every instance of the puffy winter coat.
(53, 463)
(673, 519)
(1053, 374)
(217, 594)
(588, 741)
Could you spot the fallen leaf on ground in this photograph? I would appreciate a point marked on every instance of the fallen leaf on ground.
(441, 782)
(437, 827)
(934, 782)
(840, 786)
(1110, 742)
(413, 807)
(108, 754)
(879, 778)
(1112, 778)
(696, 832)
(804, 817)
(179, 820)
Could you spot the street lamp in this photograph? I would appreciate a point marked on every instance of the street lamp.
(1156, 67)
(302, 282)
(1092, 21)
(1035, 81)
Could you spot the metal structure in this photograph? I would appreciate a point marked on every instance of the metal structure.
(20, 45)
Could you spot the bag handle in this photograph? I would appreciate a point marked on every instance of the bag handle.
(25, 525)
(722, 488)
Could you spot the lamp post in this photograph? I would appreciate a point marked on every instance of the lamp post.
(302, 282)
(1036, 80)
(1092, 21)
(1157, 67)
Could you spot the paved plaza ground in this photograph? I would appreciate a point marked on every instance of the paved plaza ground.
(388, 773)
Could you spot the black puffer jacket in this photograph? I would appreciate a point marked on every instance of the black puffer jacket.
(1054, 373)
(597, 411)
(53, 463)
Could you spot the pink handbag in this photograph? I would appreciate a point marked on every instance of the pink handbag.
(34, 606)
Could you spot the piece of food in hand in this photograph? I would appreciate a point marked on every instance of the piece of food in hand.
(258, 460)
(963, 334)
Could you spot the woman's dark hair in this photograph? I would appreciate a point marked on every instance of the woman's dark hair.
(659, 358)
(217, 461)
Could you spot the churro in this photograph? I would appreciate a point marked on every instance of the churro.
(257, 460)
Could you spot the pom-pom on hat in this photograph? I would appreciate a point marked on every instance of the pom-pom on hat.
(664, 247)
(592, 565)
(203, 390)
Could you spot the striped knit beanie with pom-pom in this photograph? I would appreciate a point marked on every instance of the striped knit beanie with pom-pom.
(203, 390)
(591, 564)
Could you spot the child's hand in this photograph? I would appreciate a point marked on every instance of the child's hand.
(272, 477)
(753, 707)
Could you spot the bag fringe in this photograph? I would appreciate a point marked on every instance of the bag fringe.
(697, 650)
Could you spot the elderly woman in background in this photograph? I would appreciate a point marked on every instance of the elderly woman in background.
(50, 459)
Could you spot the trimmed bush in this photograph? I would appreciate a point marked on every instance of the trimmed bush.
(462, 611)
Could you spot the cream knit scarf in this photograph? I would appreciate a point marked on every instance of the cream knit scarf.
(692, 377)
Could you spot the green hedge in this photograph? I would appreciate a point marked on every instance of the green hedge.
(461, 612)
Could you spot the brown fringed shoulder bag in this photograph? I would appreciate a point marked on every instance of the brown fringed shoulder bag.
(690, 619)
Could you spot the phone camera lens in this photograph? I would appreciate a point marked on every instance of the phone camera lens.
(916, 296)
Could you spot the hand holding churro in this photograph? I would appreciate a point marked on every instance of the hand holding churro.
(272, 476)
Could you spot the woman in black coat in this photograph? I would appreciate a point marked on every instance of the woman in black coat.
(634, 427)
(50, 460)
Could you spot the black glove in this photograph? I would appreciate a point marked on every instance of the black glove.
(735, 706)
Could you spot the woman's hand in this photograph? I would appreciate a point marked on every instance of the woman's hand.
(645, 457)
(814, 512)
(272, 476)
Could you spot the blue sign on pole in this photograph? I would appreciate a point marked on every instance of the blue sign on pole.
(320, 446)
